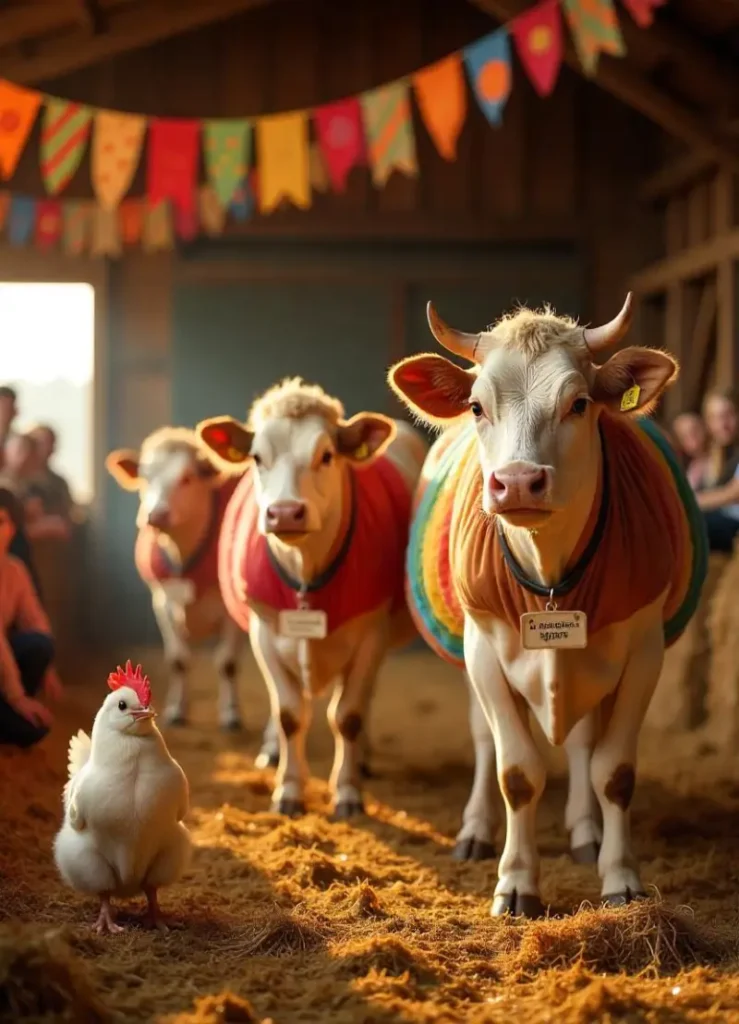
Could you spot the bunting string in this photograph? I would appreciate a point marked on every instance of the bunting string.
(263, 163)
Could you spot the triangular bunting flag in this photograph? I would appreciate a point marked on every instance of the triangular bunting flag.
(387, 121)
(244, 200)
(116, 150)
(18, 109)
(642, 11)
(489, 65)
(595, 30)
(341, 138)
(157, 233)
(538, 38)
(64, 134)
(48, 223)
(76, 224)
(442, 100)
(227, 147)
(131, 219)
(318, 170)
(212, 213)
(21, 220)
(106, 234)
(173, 162)
(284, 168)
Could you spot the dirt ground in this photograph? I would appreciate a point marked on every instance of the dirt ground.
(310, 920)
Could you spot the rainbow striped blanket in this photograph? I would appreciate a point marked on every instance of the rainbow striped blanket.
(654, 538)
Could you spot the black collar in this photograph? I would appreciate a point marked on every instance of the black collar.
(578, 570)
(328, 574)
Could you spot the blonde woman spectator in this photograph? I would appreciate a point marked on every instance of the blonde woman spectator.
(692, 437)
(48, 485)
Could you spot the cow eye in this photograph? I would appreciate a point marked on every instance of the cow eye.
(327, 458)
(476, 408)
(579, 407)
(257, 460)
(187, 478)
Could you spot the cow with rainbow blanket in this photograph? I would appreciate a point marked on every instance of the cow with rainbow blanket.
(556, 550)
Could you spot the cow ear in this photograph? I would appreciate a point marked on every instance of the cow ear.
(123, 466)
(434, 388)
(364, 436)
(634, 379)
(228, 440)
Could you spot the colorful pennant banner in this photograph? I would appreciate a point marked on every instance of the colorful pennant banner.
(266, 162)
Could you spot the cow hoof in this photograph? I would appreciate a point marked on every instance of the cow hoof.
(473, 849)
(267, 759)
(620, 899)
(175, 718)
(290, 808)
(517, 905)
(348, 809)
(585, 854)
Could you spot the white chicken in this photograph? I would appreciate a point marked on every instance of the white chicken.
(123, 805)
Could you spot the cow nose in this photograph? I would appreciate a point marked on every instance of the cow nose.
(158, 517)
(518, 488)
(286, 516)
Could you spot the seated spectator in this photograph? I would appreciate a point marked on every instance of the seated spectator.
(47, 484)
(722, 423)
(692, 438)
(26, 643)
(21, 468)
(8, 413)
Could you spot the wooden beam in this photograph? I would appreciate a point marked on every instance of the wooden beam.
(128, 29)
(700, 344)
(624, 82)
(676, 175)
(32, 20)
(702, 259)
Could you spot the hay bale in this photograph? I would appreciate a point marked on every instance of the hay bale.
(722, 719)
(41, 979)
(680, 701)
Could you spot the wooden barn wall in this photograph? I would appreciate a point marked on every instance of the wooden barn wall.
(558, 172)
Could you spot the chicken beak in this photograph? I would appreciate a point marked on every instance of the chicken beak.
(141, 714)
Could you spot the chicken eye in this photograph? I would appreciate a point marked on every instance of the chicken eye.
(122, 706)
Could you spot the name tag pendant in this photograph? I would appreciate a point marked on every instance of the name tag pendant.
(305, 623)
(553, 628)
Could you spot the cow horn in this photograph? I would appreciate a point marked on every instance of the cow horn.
(461, 344)
(598, 338)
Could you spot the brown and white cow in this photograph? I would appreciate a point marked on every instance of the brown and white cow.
(312, 563)
(182, 499)
(555, 550)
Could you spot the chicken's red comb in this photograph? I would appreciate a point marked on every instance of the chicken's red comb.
(134, 678)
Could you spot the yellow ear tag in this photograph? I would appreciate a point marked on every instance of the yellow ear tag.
(630, 398)
(234, 455)
(362, 452)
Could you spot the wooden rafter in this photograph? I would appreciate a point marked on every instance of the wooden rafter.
(128, 28)
(691, 263)
(631, 87)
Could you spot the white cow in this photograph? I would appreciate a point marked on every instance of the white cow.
(568, 551)
(312, 563)
(182, 498)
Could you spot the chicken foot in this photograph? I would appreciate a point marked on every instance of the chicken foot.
(105, 924)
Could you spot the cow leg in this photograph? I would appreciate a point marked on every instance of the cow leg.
(613, 769)
(170, 618)
(521, 775)
(227, 664)
(269, 755)
(291, 718)
(582, 813)
(347, 713)
(476, 838)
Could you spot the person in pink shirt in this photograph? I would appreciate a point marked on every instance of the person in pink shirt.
(26, 642)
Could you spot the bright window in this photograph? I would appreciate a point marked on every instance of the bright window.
(47, 346)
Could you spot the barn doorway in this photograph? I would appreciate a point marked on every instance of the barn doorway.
(48, 358)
